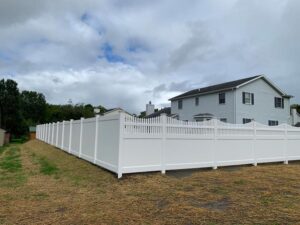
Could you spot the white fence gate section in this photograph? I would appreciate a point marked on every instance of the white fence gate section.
(126, 144)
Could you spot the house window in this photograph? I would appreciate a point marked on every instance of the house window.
(279, 102)
(245, 120)
(223, 120)
(197, 101)
(248, 98)
(273, 123)
(222, 98)
(179, 104)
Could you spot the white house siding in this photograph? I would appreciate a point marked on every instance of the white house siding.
(263, 109)
(207, 104)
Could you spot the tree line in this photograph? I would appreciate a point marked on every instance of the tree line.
(21, 109)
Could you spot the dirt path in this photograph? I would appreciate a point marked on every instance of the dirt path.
(52, 187)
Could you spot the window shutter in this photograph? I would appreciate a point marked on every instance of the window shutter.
(275, 102)
(252, 98)
(283, 103)
(244, 101)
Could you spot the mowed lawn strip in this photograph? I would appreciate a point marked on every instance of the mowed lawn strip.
(11, 174)
(62, 189)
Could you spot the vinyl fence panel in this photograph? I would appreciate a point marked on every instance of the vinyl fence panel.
(66, 136)
(75, 145)
(126, 144)
(88, 139)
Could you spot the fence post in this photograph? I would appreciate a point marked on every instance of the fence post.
(48, 138)
(286, 161)
(215, 147)
(80, 139)
(44, 132)
(253, 144)
(57, 130)
(52, 138)
(62, 135)
(70, 137)
(163, 149)
(96, 138)
(43, 129)
(121, 132)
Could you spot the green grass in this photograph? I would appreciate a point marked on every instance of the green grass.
(11, 174)
(11, 161)
(46, 167)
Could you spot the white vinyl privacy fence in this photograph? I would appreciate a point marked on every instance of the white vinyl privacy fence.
(126, 144)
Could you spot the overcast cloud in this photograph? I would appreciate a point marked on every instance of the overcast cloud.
(127, 52)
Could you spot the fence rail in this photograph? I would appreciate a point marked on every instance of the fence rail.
(126, 144)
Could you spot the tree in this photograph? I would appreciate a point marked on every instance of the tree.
(11, 118)
(67, 112)
(33, 107)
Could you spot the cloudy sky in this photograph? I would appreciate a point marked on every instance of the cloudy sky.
(127, 52)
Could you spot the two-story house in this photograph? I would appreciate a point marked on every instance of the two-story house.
(240, 101)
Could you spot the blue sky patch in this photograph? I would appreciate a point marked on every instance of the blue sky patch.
(109, 55)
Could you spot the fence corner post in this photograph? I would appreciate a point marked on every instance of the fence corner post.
(121, 138)
(96, 138)
(286, 161)
(80, 137)
(163, 149)
(215, 147)
(70, 137)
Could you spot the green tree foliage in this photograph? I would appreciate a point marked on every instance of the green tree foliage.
(18, 110)
(67, 112)
(33, 107)
(10, 114)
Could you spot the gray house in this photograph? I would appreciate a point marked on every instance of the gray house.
(240, 101)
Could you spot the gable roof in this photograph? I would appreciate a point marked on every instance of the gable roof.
(228, 86)
(166, 110)
(115, 110)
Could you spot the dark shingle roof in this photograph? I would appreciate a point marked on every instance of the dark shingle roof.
(166, 110)
(215, 88)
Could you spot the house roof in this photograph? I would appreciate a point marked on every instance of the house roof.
(166, 110)
(115, 109)
(226, 87)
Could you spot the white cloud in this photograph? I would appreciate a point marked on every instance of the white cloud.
(153, 49)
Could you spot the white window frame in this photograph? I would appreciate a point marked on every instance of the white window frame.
(281, 103)
(273, 123)
(248, 97)
(180, 104)
(222, 103)
(196, 101)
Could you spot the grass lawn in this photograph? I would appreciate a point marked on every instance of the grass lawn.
(40, 184)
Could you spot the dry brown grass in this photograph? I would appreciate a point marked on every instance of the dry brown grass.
(80, 193)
